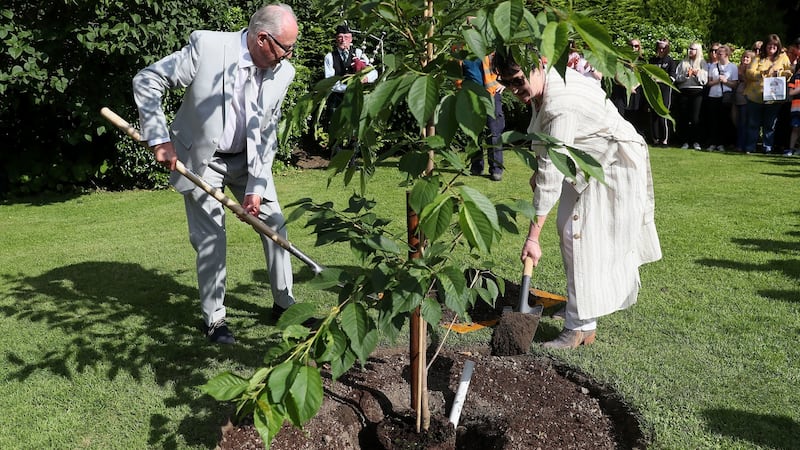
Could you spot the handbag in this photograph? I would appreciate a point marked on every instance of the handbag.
(727, 98)
(774, 89)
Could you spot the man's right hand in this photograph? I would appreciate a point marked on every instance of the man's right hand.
(165, 155)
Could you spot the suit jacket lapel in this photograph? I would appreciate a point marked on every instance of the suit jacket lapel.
(230, 66)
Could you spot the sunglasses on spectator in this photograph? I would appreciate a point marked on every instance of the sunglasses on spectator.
(512, 82)
(635, 45)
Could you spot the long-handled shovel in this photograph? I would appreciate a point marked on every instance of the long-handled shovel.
(514, 333)
(237, 209)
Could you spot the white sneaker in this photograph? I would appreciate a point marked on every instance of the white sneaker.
(696, 146)
(685, 146)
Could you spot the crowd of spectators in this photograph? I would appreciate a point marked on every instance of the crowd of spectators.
(719, 104)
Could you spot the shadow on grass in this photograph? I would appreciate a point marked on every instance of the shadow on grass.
(764, 430)
(789, 267)
(38, 200)
(127, 319)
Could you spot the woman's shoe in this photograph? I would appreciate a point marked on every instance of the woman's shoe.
(572, 339)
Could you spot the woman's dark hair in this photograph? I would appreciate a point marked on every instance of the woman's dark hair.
(771, 39)
(504, 65)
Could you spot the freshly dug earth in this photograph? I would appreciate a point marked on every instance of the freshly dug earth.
(520, 402)
(513, 403)
(514, 334)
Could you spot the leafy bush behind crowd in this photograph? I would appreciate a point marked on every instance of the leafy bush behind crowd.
(64, 60)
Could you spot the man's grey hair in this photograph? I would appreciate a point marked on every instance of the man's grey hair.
(270, 18)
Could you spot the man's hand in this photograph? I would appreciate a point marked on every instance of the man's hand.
(251, 205)
(165, 155)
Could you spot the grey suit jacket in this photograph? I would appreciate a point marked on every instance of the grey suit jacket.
(207, 68)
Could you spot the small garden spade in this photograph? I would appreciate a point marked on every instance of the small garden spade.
(514, 333)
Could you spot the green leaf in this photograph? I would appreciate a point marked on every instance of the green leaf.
(328, 278)
(507, 218)
(562, 162)
(296, 314)
(279, 381)
(423, 192)
(456, 160)
(342, 364)
(454, 285)
(423, 98)
(361, 330)
(587, 164)
(475, 42)
(297, 213)
(446, 122)
(225, 386)
(305, 395)
(525, 207)
(267, 422)
(473, 224)
(383, 243)
(476, 197)
(258, 377)
(381, 97)
(332, 345)
(507, 18)
(431, 311)
(413, 163)
(652, 91)
(436, 216)
(527, 156)
(470, 113)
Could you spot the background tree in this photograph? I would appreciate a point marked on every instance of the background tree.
(63, 60)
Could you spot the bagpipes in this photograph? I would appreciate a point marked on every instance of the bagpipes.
(377, 50)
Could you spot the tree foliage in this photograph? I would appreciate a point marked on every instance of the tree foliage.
(63, 60)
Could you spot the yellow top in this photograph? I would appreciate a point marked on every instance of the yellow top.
(761, 68)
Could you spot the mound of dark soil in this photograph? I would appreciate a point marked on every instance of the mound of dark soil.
(520, 402)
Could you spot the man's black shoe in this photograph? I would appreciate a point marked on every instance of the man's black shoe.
(277, 311)
(219, 333)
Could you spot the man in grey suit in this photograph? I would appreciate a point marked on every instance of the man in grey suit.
(235, 85)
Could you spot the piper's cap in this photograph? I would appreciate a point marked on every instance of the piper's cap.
(342, 29)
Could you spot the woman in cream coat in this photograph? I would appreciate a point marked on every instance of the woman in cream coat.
(607, 230)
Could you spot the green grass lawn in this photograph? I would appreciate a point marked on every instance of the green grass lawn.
(99, 316)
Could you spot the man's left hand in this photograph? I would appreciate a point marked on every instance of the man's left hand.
(252, 204)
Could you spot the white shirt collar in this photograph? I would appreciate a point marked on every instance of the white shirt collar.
(245, 60)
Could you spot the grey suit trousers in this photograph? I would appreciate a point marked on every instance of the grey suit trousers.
(206, 220)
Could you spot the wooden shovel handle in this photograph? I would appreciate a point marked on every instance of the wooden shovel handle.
(527, 270)
(237, 209)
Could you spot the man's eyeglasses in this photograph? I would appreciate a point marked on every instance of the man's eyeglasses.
(635, 45)
(512, 82)
(714, 50)
(286, 50)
